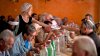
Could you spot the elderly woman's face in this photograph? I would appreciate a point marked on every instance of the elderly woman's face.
(30, 10)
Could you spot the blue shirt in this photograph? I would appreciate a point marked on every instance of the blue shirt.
(4, 53)
(19, 47)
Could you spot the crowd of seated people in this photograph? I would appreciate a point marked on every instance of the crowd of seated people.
(30, 34)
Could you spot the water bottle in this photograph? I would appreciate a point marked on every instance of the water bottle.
(54, 47)
(57, 44)
(50, 50)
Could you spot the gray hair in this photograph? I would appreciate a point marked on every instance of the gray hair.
(25, 7)
(87, 44)
(42, 17)
(29, 29)
(6, 34)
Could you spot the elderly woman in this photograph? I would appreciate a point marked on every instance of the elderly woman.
(88, 18)
(24, 17)
(26, 11)
(12, 25)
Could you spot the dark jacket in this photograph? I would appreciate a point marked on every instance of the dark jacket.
(96, 41)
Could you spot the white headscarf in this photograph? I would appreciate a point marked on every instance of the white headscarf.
(54, 25)
(13, 23)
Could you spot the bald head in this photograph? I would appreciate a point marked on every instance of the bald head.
(84, 46)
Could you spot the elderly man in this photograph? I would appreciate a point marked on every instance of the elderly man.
(23, 41)
(84, 46)
(6, 42)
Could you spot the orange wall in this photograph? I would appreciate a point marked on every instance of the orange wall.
(98, 4)
(73, 9)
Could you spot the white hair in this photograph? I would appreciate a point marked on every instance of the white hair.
(42, 17)
(14, 23)
(51, 16)
(25, 7)
(6, 34)
(87, 44)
